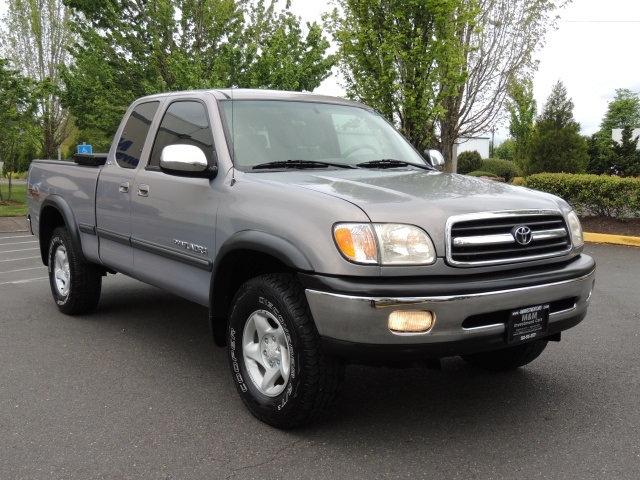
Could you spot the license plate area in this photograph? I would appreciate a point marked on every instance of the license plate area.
(527, 323)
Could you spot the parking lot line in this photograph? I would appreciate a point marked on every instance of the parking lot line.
(24, 269)
(17, 259)
(17, 243)
(21, 250)
(16, 236)
(29, 280)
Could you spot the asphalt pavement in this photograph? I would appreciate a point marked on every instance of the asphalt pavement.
(138, 390)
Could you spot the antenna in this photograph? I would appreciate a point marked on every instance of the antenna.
(233, 142)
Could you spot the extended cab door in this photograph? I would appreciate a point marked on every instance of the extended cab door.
(115, 185)
(173, 216)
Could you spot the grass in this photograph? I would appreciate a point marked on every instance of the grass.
(18, 204)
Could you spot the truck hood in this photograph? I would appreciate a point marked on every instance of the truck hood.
(404, 195)
(423, 198)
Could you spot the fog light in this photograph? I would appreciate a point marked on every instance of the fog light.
(411, 321)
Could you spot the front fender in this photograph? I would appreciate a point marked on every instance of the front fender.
(267, 243)
(228, 275)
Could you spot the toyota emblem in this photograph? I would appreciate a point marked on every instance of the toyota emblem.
(523, 235)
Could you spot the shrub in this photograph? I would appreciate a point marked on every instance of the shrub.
(592, 194)
(502, 168)
(518, 181)
(480, 173)
(469, 162)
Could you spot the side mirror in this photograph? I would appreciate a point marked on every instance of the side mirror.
(435, 157)
(186, 160)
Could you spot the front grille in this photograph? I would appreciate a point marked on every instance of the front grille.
(496, 238)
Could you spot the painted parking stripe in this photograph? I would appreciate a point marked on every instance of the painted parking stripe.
(29, 280)
(18, 243)
(21, 250)
(17, 259)
(16, 236)
(24, 269)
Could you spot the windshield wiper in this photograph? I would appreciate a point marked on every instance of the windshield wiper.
(390, 163)
(300, 164)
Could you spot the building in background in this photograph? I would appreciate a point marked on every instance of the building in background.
(469, 144)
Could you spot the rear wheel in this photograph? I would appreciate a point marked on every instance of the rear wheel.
(75, 285)
(508, 358)
(281, 374)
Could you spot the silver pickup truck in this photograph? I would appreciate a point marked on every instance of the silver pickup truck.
(316, 235)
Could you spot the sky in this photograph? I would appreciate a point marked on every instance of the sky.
(593, 52)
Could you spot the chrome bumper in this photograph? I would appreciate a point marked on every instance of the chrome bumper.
(363, 320)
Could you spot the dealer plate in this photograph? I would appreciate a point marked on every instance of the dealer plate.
(527, 323)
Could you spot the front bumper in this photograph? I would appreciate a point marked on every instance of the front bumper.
(354, 326)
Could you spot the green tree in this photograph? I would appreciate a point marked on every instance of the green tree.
(498, 45)
(36, 39)
(130, 48)
(623, 111)
(625, 160)
(521, 107)
(17, 107)
(402, 58)
(556, 143)
(506, 150)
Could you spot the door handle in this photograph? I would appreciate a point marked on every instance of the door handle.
(143, 190)
(124, 187)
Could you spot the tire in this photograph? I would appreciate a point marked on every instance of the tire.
(508, 358)
(279, 369)
(75, 285)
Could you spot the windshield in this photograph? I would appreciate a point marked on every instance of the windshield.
(297, 133)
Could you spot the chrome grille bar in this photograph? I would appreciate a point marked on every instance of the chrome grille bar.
(488, 238)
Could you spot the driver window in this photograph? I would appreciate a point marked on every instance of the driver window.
(186, 123)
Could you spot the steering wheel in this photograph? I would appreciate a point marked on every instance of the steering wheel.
(361, 146)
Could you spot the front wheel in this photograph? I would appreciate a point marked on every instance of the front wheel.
(508, 358)
(75, 285)
(281, 374)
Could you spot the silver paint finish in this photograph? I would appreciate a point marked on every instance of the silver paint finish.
(296, 211)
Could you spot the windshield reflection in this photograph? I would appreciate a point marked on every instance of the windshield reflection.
(267, 131)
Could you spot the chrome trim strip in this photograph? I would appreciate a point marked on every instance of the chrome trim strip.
(506, 238)
(495, 326)
(494, 215)
(85, 228)
(172, 254)
(550, 234)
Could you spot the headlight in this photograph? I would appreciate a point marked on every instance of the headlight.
(384, 244)
(576, 230)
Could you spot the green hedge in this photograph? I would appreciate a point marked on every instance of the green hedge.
(502, 168)
(592, 194)
(480, 173)
(469, 162)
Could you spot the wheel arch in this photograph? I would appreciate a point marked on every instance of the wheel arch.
(55, 212)
(243, 256)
